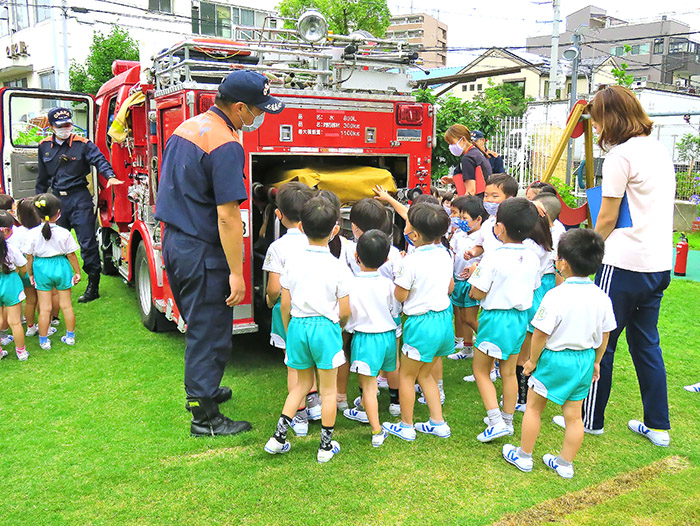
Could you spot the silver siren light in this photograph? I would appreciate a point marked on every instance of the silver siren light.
(312, 26)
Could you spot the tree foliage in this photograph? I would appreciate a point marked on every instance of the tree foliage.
(97, 68)
(517, 101)
(620, 73)
(345, 16)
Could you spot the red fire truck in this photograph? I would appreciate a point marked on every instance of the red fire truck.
(348, 103)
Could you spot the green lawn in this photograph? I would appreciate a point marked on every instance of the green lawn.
(98, 434)
(693, 239)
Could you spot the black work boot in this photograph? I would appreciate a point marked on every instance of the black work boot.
(223, 394)
(92, 291)
(208, 421)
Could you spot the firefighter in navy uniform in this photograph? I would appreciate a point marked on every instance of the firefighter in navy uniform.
(64, 163)
(201, 186)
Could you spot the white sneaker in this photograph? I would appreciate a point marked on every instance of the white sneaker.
(404, 433)
(68, 340)
(550, 461)
(55, 322)
(658, 438)
(471, 378)
(275, 448)
(314, 413)
(342, 405)
(488, 423)
(459, 345)
(494, 432)
(7, 340)
(382, 382)
(3, 353)
(559, 420)
(46, 346)
(33, 330)
(395, 409)
(52, 330)
(357, 415)
(22, 355)
(417, 388)
(497, 368)
(462, 354)
(518, 406)
(440, 430)
(421, 399)
(695, 388)
(324, 456)
(379, 438)
(300, 426)
(510, 453)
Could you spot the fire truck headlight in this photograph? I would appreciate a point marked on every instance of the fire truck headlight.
(312, 26)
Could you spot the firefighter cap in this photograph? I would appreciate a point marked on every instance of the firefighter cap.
(250, 87)
(60, 116)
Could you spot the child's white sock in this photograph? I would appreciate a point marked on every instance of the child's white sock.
(522, 454)
(563, 462)
(508, 419)
(494, 417)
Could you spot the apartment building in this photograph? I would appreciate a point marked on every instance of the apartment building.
(661, 50)
(424, 30)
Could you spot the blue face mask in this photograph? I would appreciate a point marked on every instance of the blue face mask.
(463, 225)
(408, 239)
(491, 208)
(454, 222)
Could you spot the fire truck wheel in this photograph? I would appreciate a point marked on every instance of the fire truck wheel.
(152, 318)
(105, 243)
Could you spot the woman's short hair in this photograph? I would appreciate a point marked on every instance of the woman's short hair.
(619, 115)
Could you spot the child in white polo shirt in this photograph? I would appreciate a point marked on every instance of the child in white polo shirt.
(373, 327)
(290, 200)
(13, 265)
(572, 327)
(423, 284)
(504, 282)
(315, 288)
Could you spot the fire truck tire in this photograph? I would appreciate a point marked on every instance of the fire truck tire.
(105, 239)
(152, 318)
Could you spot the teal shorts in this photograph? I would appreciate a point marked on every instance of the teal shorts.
(563, 375)
(501, 332)
(536, 300)
(52, 273)
(314, 342)
(460, 294)
(548, 283)
(278, 335)
(371, 353)
(26, 282)
(429, 336)
(399, 327)
(11, 289)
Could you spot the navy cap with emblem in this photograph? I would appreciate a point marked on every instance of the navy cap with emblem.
(477, 134)
(252, 88)
(60, 116)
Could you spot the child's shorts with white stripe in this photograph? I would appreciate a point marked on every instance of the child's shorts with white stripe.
(12, 290)
(428, 336)
(52, 273)
(501, 332)
(460, 294)
(546, 285)
(563, 375)
(314, 342)
(373, 352)
(278, 335)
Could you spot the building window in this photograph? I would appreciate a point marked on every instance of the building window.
(17, 83)
(658, 46)
(678, 45)
(618, 51)
(41, 12)
(47, 80)
(464, 87)
(640, 49)
(479, 87)
(20, 15)
(219, 20)
(471, 87)
(163, 6)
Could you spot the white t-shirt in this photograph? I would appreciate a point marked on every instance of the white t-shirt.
(459, 244)
(642, 168)
(60, 243)
(575, 315)
(558, 230)
(484, 236)
(19, 237)
(372, 304)
(386, 270)
(280, 251)
(14, 258)
(426, 274)
(316, 280)
(545, 258)
(508, 276)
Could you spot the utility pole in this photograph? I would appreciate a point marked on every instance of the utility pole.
(554, 62)
(575, 54)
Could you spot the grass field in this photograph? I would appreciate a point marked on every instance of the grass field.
(693, 239)
(98, 434)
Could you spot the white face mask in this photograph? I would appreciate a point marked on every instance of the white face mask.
(63, 133)
(456, 149)
(257, 121)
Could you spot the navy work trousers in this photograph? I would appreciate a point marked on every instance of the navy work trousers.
(636, 299)
(198, 274)
(77, 212)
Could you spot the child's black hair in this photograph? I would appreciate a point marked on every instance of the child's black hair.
(541, 232)
(472, 205)
(369, 214)
(373, 248)
(6, 221)
(6, 202)
(543, 188)
(291, 198)
(505, 182)
(429, 220)
(334, 245)
(48, 206)
(446, 196)
(519, 217)
(551, 204)
(27, 213)
(318, 217)
(425, 198)
(582, 249)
